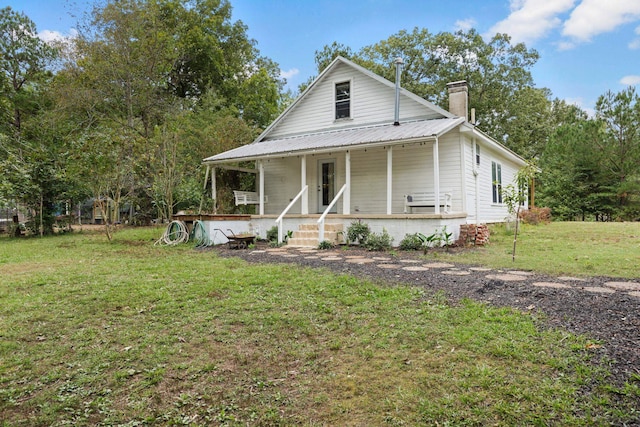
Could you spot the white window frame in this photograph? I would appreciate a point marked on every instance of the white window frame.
(335, 100)
(496, 183)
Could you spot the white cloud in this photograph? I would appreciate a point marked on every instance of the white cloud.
(565, 45)
(580, 103)
(464, 24)
(630, 80)
(56, 36)
(593, 17)
(290, 73)
(532, 19)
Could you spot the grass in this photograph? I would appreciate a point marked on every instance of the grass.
(127, 333)
(563, 248)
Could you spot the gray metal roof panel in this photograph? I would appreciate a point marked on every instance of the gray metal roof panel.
(344, 138)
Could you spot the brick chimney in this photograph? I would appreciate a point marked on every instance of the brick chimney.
(459, 99)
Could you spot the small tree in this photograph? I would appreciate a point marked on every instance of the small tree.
(515, 195)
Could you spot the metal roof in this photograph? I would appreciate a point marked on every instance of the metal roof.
(339, 139)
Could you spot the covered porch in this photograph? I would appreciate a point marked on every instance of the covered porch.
(388, 176)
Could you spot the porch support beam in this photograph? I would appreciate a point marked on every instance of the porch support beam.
(214, 190)
(436, 175)
(346, 197)
(304, 203)
(261, 184)
(390, 179)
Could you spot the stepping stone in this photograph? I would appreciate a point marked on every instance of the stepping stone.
(438, 265)
(480, 269)
(308, 251)
(555, 285)
(521, 273)
(456, 273)
(572, 279)
(409, 261)
(354, 257)
(381, 258)
(332, 258)
(329, 254)
(415, 268)
(635, 294)
(360, 260)
(506, 277)
(257, 252)
(599, 290)
(388, 266)
(312, 257)
(624, 286)
(290, 255)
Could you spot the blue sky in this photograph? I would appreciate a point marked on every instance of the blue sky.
(586, 46)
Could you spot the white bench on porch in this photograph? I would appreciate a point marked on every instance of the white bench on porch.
(248, 198)
(426, 200)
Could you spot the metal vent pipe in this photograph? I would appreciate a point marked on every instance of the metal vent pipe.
(398, 63)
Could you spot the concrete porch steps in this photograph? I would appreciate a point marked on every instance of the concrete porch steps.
(307, 235)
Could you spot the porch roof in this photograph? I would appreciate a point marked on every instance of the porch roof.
(344, 139)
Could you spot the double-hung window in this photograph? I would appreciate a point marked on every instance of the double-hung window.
(343, 100)
(496, 182)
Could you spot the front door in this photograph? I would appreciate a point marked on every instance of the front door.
(327, 184)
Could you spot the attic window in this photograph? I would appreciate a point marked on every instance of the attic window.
(343, 100)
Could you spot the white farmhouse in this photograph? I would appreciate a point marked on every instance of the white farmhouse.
(355, 146)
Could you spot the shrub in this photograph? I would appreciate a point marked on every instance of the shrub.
(378, 242)
(536, 216)
(359, 232)
(411, 242)
(272, 234)
(325, 244)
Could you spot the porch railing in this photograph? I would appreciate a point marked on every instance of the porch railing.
(326, 211)
(284, 212)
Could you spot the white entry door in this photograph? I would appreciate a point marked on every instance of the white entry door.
(326, 184)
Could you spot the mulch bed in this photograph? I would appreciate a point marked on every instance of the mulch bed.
(611, 318)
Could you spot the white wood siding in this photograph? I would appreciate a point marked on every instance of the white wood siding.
(281, 184)
(489, 211)
(450, 169)
(412, 172)
(371, 102)
(470, 179)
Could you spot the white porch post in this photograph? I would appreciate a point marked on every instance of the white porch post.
(261, 178)
(214, 190)
(389, 178)
(304, 203)
(346, 197)
(436, 175)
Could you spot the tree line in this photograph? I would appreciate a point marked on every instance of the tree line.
(123, 113)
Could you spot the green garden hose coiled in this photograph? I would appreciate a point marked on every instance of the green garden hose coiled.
(200, 236)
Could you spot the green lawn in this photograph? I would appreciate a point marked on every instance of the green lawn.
(129, 333)
(574, 248)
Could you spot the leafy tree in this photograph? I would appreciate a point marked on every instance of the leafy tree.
(569, 164)
(23, 61)
(143, 71)
(515, 196)
(620, 116)
(29, 151)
